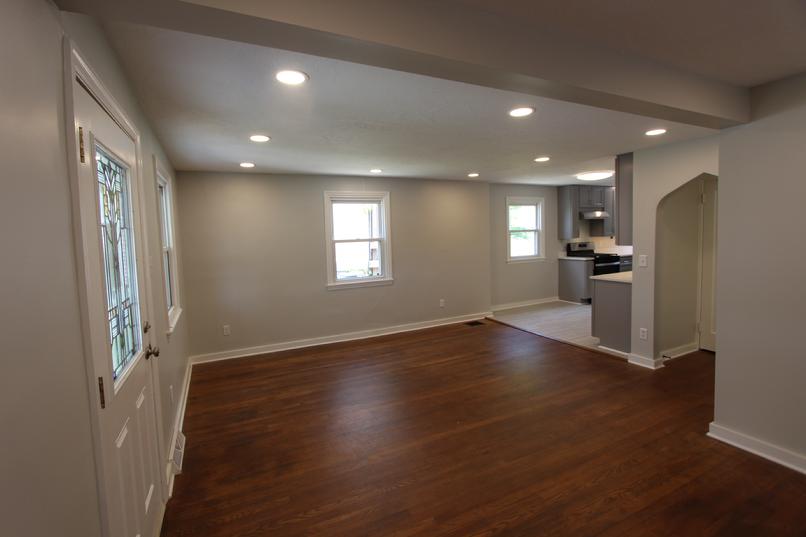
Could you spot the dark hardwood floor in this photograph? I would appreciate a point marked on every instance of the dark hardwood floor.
(467, 431)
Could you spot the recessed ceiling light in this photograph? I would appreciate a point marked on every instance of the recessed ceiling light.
(656, 132)
(473, 174)
(542, 159)
(247, 164)
(292, 78)
(522, 111)
(595, 176)
(376, 170)
(259, 138)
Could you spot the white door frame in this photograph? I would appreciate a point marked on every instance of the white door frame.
(76, 68)
(701, 298)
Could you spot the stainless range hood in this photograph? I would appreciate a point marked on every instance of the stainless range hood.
(595, 215)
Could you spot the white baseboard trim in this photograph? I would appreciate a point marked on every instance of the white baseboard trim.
(336, 338)
(614, 352)
(643, 361)
(777, 454)
(682, 350)
(179, 421)
(572, 302)
(525, 303)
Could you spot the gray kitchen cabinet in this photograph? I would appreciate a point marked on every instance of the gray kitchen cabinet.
(605, 227)
(591, 197)
(584, 196)
(568, 212)
(623, 220)
(610, 209)
(575, 283)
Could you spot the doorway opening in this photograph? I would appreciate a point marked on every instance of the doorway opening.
(685, 270)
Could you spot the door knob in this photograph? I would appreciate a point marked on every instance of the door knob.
(152, 351)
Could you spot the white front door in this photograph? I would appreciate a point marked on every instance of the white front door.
(708, 259)
(116, 307)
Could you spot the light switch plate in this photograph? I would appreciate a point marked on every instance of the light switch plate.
(642, 261)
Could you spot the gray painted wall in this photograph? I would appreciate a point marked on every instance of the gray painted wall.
(658, 172)
(254, 257)
(761, 365)
(49, 482)
(47, 469)
(677, 269)
(522, 281)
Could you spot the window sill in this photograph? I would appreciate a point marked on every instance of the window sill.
(173, 318)
(526, 259)
(360, 283)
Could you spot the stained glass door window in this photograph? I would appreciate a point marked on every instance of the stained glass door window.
(120, 268)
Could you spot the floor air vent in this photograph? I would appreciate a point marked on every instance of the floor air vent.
(474, 323)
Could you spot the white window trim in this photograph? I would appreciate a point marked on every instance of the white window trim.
(165, 180)
(385, 240)
(539, 233)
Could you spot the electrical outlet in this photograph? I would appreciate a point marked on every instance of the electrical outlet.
(225, 329)
(643, 333)
(441, 302)
(643, 261)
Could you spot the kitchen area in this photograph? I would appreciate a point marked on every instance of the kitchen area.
(594, 224)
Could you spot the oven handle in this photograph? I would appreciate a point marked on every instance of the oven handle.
(606, 264)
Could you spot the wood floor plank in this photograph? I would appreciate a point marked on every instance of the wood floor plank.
(459, 431)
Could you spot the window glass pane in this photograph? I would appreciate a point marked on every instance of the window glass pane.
(120, 269)
(163, 197)
(522, 217)
(522, 243)
(360, 259)
(166, 265)
(352, 220)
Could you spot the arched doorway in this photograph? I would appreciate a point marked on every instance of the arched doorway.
(685, 271)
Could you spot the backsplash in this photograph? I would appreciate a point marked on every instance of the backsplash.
(604, 245)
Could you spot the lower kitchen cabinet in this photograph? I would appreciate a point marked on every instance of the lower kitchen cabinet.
(575, 282)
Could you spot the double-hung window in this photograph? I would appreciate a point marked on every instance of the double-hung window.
(358, 239)
(525, 229)
(169, 268)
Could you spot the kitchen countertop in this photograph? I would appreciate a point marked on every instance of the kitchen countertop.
(575, 258)
(618, 277)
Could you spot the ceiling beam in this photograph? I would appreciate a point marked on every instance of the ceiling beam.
(444, 40)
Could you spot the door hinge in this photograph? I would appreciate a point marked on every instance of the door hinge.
(101, 391)
(81, 144)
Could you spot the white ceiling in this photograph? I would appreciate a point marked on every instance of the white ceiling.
(205, 96)
(742, 42)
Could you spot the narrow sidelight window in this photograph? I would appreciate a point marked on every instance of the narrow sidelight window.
(169, 269)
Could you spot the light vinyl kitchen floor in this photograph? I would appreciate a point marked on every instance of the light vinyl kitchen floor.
(559, 320)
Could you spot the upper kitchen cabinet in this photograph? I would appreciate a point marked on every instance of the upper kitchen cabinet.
(591, 197)
(610, 209)
(568, 212)
(623, 212)
(604, 227)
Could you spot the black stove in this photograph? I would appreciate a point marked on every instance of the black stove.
(602, 263)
